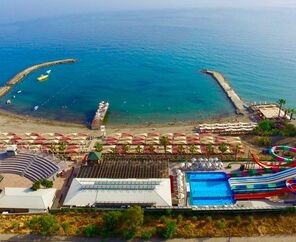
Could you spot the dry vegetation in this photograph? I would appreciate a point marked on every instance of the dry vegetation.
(75, 223)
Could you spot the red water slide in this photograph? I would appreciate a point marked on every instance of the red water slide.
(261, 194)
(264, 165)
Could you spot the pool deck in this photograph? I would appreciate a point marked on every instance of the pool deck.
(231, 94)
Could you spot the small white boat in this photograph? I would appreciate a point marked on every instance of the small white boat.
(48, 72)
(36, 108)
(8, 101)
(19, 91)
(13, 96)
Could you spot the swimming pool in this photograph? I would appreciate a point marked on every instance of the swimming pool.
(209, 188)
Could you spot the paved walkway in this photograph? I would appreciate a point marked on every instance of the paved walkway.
(277, 238)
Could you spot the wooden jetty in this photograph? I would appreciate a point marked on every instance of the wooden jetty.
(100, 115)
(21, 75)
(237, 102)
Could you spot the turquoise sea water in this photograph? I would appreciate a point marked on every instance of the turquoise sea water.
(146, 63)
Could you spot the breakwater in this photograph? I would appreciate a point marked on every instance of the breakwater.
(21, 75)
(237, 102)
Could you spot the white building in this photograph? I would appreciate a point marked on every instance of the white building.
(26, 200)
(117, 192)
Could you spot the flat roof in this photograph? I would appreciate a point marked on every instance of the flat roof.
(25, 198)
(98, 191)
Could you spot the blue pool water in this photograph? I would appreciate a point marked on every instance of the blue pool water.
(209, 188)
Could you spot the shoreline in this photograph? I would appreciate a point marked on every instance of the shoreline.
(17, 123)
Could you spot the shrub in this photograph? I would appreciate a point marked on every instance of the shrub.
(187, 227)
(15, 225)
(209, 219)
(163, 219)
(111, 220)
(220, 224)
(169, 230)
(36, 186)
(44, 225)
(46, 183)
(264, 141)
(194, 218)
(147, 235)
(65, 227)
(238, 219)
(128, 234)
(180, 218)
(91, 230)
(133, 217)
(251, 219)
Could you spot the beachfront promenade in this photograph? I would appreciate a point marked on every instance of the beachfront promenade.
(21, 75)
(231, 94)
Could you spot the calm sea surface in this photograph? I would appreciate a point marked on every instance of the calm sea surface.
(146, 63)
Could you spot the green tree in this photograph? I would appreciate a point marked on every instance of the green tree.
(292, 112)
(44, 225)
(169, 229)
(36, 186)
(281, 102)
(151, 148)
(181, 149)
(114, 150)
(138, 149)
(98, 147)
(62, 147)
(46, 183)
(91, 230)
(111, 220)
(236, 150)
(223, 148)
(210, 149)
(125, 148)
(164, 141)
(133, 217)
(192, 149)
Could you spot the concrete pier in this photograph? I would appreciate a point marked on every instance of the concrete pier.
(21, 75)
(238, 104)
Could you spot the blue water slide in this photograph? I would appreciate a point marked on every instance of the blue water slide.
(277, 177)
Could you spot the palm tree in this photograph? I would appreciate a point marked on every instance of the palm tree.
(138, 149)
(236, 150)
(114, 150)
(210, 149)
(125, 148)
(181, 149)
(164, 141)
(223, 148)
(192, 149)
(52, 148)
(62, 147)
(151, 148)
(281, 102)
(98, 147)
(292, 111)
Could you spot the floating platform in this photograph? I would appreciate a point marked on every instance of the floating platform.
(100, 115)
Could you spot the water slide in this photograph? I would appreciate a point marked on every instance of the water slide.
(260, 194)
(266, 165)
(286, 175)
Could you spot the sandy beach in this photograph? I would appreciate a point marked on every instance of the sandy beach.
(11, 122)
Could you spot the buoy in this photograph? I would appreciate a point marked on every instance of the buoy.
(36, 108)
